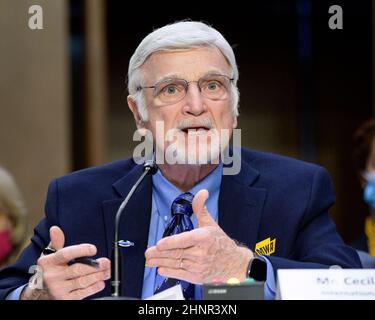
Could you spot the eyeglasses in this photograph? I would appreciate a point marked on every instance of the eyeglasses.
(170, 91)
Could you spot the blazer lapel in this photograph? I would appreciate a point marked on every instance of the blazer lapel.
(240, 205)
(134, 226)
(240, 208)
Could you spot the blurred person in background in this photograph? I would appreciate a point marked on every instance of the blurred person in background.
(364, 160)
(12, 219)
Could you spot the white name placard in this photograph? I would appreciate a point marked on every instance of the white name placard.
(326, 284)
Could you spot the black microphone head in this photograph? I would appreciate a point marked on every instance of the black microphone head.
(151, 166)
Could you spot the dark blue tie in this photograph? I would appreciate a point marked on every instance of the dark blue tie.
(180, 222)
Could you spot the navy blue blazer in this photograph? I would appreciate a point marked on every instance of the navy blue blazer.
(272, 196)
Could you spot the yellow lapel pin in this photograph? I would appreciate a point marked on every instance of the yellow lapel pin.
(266, 247)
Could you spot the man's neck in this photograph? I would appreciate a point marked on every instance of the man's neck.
(184, 177)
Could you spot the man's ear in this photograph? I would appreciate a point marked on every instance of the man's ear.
(234, 122)
(133, 108)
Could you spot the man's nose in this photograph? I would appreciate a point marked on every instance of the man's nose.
(194, 103)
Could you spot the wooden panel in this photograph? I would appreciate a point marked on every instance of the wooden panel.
(34, 103)
(95, 81)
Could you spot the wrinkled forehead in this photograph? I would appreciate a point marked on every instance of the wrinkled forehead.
(189, 64)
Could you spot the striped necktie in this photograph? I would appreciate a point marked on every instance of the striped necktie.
(180, 221)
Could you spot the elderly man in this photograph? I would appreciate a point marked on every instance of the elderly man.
(190, 223)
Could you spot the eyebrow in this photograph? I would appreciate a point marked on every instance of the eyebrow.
(175, 76)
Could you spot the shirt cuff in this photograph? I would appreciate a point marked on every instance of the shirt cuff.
(16, 293)
(270, 285)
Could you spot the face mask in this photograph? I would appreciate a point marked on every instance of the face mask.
(369, 191)
(6, 245)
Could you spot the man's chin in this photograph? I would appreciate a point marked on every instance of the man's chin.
(194, 147)
(203, 156)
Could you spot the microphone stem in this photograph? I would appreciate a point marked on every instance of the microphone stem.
(116, 260)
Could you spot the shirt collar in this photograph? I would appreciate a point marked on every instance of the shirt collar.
(165, 192)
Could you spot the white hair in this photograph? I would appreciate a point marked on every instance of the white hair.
(183, 35)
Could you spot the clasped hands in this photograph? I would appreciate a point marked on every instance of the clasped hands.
(202, 255)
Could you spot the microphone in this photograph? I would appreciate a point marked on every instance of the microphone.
(149, 167)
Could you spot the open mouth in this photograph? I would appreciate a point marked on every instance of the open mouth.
(195, 129)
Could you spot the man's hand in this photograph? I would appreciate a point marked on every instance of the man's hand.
(201, 255)
(64, 282)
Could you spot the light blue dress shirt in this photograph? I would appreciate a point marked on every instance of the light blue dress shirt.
(163, 194)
